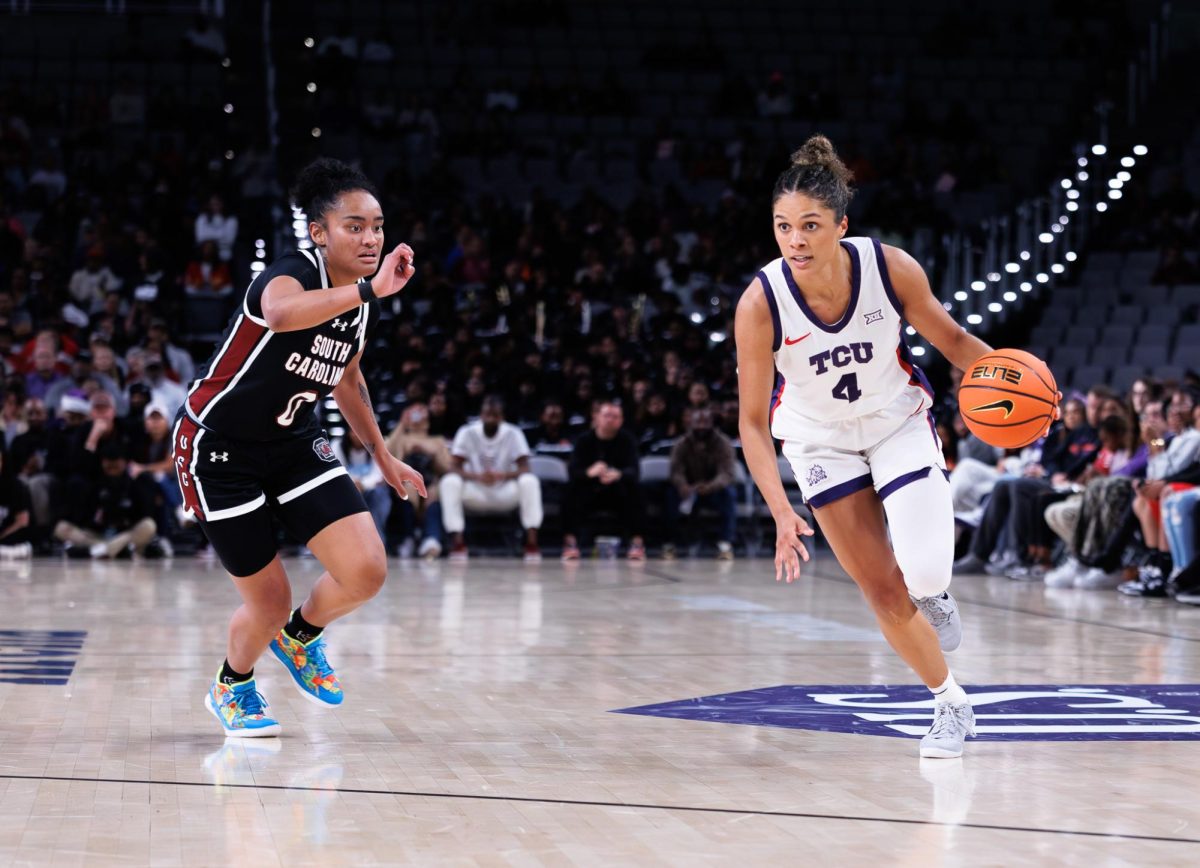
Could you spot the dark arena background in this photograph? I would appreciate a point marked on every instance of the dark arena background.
(574, 678)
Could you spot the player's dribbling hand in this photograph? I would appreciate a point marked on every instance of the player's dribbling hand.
(789, 549)
(395, 271)
(396, 473)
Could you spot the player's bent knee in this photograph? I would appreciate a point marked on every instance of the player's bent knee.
(370, 573)
(888, 598)
(926, 571)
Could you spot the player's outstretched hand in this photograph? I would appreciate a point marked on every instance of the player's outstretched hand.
(396, 473)
(789, 549)
(395, 271)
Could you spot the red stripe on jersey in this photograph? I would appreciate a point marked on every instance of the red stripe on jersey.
(182, 452)
(245, 338)
(913, 379)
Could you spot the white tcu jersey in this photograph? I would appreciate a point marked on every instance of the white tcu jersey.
(829, 375)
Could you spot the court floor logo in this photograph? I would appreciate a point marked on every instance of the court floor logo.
(1003, 712)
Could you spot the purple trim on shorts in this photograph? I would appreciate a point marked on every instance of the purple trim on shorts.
(901, 481)
(842, 489)
(777, 341)
(886, 278)
(855, 287)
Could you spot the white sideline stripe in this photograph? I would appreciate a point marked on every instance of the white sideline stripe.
(234, 511)
(311, 484)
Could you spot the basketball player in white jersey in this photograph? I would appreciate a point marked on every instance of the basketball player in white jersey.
(822, 366)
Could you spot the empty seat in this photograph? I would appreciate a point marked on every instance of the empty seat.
(1127, 314)
(1086, 376)
(1149, 355)
(1148, 296)
(1124, 376)
(1154, 334)
(1188, 335)
(1069, 357)
(1081, 336)
(1092, 315)
(1046, 335)
(1186, 357)
(1113, 336)
(1109, 354)
(1163, 315)
(1185, 295)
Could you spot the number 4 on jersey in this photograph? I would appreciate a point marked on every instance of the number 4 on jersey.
(847, 388)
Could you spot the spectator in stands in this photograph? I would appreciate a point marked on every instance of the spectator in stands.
(1174, 267)
(213, 224)
(151, 463)
(1142, 392)
(15, 521)
(774, 100)
(12, 417)
(203, 39)
(654, 425)
(104, 362)
(33, 454)
(1169, 464)
(603, 474)
(44, 376)
(1066, 452)
(702, 475)
(162, 390)
(91, 283)
(111, 518)
(491, 474)
(550, 436)
(428, 454)
(178, 360)
(207, 274)
(367, 477)
(81, 372)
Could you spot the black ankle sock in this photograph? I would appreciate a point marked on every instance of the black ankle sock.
(301, 630)
(229, 676)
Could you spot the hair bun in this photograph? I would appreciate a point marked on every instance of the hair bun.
(817, 151)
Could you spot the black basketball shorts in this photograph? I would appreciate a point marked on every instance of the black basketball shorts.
(233, 487)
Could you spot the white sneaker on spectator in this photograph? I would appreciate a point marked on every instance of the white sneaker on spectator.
(430, 549)
(1066, 574)
(185, 519)
(20, 551)
(405, 549)
(1096, 579)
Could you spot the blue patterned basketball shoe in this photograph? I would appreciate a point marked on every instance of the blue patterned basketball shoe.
(241, 710)
(310, 671)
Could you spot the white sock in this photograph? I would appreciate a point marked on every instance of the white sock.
(949, 692)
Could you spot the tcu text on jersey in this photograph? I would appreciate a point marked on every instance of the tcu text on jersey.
(861, 352)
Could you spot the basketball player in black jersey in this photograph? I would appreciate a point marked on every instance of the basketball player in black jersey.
(248, 443)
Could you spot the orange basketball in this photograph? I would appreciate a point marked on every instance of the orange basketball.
(1008, 398)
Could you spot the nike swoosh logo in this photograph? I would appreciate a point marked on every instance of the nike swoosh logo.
(790, 341)
(1004, 404)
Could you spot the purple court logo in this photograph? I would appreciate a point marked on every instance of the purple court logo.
(1003, 712)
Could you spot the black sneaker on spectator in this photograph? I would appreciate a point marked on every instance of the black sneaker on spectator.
(76, 552)
(668, 551)
(999, 565)
(1031, 573)
(1150, 583)
(968, 564)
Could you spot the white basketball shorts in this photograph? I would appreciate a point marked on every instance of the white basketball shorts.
(885, 450)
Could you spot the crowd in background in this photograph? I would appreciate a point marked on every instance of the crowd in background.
(570, 314)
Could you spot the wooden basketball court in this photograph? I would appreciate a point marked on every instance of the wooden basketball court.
(504, 714)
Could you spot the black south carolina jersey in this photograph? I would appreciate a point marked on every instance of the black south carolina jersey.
(264, 385)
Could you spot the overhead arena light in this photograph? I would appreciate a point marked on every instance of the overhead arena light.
(1082, 176)
(917, 351)
(1010, 296)
(1066, 183)
(1070, 257)
(1026, 286)
(978, 285)
(1046, 237)
(995, 307)
(994, 276)
(974, 318)
(1072, 206)
(1101, 206)
(1012, 268)
(1042, 277)
(1025, 255)
(1058, 268)
(960, 296)
(1140, 150)
(1116, 183)
(1114, 194)
(1072, 194)
(910, 330)
(1099, 150)
(1082, 162)
(717, 337)
(1128, 162)
(1124, 176)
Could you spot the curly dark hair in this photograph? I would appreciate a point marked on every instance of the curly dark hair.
(818, 172)
(322, 181)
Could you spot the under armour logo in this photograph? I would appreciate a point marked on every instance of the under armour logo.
(219, 456)
(340, 325)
